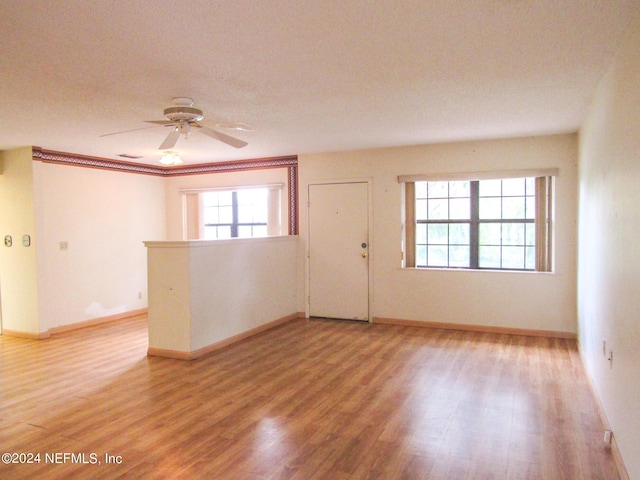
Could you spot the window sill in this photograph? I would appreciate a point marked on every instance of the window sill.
(478, 270)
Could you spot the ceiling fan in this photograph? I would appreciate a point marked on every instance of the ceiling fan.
(182, 118)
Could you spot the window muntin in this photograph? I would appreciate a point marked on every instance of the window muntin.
(479, 224)
(235, 213)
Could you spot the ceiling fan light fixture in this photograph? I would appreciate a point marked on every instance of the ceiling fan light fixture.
(183, 118)
(170, 158)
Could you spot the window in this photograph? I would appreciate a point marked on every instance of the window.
(240, 212)
(235, 213)
(486, 223)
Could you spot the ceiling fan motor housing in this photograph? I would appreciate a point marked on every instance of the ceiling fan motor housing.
(183, 114)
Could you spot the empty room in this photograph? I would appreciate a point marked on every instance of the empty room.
(367, 240)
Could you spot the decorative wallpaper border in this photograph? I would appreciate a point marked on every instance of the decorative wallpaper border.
(289, 162)
(50, 156)
(293, 198)
(77, 160)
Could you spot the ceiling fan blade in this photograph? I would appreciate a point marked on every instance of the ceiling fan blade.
(223, 137)
(171, 140)
(234, 126)
(160, 122)
(126, 131)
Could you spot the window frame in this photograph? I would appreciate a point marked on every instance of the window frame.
(193, 211)
(544, 185)
(235, 224)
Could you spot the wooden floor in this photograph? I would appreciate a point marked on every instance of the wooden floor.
(310, 399)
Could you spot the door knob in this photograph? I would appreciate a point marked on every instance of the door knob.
(364, 254)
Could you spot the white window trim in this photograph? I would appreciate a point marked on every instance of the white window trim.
(230, 188)
(489, 175)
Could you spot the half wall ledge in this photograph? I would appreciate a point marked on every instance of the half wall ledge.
(207, 294)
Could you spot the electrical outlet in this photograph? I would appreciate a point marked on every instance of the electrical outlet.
(64, 245)
(139, 295)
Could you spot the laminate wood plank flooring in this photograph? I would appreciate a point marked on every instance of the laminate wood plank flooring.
(311, 399)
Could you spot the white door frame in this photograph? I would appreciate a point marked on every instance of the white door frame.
(371, 256)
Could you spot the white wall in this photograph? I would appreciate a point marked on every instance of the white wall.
(18, 268)
(524, 300)
(609, 260)
(204, 292)
(104, 216)
(241, 284)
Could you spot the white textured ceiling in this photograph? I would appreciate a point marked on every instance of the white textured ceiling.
(308, 76)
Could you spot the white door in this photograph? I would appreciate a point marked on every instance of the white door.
(339, 250)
